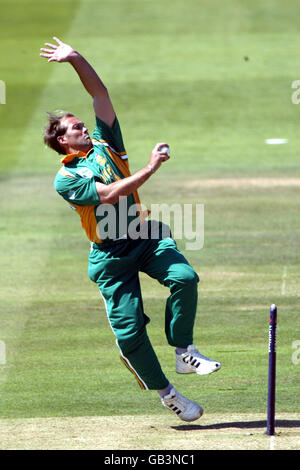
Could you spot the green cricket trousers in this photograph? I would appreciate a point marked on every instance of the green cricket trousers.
(115, 267)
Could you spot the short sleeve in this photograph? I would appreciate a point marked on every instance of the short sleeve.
(112, 135)
(77, 190)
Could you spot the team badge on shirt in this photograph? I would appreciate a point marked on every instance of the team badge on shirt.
(100, 159)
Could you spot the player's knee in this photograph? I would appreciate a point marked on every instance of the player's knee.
(132, 340)
(189, 276)
(186, 279)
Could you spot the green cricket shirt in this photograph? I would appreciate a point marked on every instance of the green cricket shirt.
(106, 163)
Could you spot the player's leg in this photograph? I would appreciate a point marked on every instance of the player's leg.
(117, 279)
(168, 265)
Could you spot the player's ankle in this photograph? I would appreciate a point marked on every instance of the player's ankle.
(180, 350)
(165, 391)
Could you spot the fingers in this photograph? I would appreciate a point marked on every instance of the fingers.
(53, 47)
(58, 40)
(48, 53)
(46, 50)
(49, 57)
(164, 157)
(164, 149)
(160, 153)
(159, 146)
(50, 45)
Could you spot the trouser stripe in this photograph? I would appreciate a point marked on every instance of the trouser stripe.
(138, 378)
(123, 358)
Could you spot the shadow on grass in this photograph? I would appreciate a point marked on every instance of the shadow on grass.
(238, 424)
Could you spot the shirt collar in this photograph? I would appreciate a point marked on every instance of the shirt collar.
(68, 158)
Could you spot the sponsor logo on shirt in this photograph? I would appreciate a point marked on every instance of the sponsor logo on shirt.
(85, 172)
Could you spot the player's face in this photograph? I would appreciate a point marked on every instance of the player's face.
(76, 135)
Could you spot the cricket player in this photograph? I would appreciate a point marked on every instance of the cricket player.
(96, 182)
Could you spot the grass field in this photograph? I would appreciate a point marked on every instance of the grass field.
(213, 80)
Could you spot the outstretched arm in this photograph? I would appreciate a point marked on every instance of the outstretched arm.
(91, 81)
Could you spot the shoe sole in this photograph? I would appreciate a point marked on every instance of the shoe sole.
(195, 372)
(193, 419)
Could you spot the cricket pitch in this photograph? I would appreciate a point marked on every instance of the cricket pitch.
(211, 432)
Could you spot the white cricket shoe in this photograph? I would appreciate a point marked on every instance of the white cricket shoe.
(185, 409)
(193, 362)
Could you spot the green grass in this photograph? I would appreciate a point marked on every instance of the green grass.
(176, 71)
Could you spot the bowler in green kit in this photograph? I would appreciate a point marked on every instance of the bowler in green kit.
(96, 182)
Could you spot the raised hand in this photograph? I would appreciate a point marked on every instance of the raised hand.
(61, 53)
